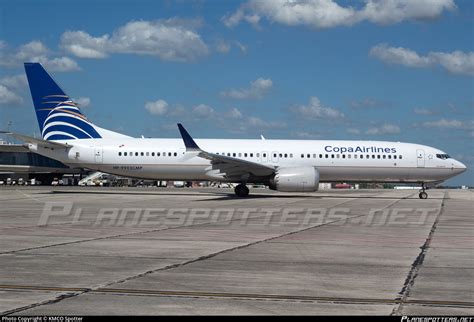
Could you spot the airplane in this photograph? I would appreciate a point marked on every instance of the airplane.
(282, 165)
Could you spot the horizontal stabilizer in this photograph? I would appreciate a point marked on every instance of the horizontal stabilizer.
(38, 142)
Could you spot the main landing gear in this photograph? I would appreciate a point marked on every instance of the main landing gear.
(423, 194)
(241, 190)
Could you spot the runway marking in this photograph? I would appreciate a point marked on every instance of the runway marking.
(242, 296)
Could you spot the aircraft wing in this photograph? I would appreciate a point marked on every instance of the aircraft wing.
(224, 166)
(39, 142)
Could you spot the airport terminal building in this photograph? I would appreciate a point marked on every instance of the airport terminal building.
(18, 163)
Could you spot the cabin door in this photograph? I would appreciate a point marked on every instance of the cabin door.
(420, 158)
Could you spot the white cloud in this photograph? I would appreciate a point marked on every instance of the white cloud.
(450, 124)
(203, 111)
(353, 131)
(234, 113)
(170, 40)
(424, 111)
(384, 129)
(9, 97)
(223, 47)
(399, 55)
(83, 101)
(83, 45)
(456, 62)
(328, 13)
(159, 107)
(239, 15)
(256, 122)
(59, 64)
(242, 47)
(315, 110)
(35, 51)
(258, 89)
(394, 11)
(307, 135)
(368, 102)
(14, 82)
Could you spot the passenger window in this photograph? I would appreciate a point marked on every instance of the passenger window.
(327, 156)
(343, 156)
(308, 155)
(169, 154)
(373, 156)
(176, 154)
(245, 155)
(251, 155)
(320, 156)
(314, 156)
(378, 156)
(332, 156)
(302, 156)
(120, 154)
(233, 154)
(394, 156)
(400, 157)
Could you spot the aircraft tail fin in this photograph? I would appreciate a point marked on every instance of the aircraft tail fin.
(59, 117)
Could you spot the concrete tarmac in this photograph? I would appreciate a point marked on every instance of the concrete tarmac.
(151, 251)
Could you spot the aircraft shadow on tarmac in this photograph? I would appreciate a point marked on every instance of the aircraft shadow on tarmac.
(216, 196)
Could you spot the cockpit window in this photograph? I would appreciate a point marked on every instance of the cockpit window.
(442, 156)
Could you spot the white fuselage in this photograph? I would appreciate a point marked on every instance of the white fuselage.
(166, 159)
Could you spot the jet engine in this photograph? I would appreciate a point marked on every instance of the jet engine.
(295, 179)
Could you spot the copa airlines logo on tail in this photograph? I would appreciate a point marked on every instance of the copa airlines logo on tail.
(65, 120)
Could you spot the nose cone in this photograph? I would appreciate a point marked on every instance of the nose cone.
(459, 167)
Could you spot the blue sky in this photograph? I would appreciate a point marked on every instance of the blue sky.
(318, 69)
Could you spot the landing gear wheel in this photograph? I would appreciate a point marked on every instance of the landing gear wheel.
(423, 194)
(241, 190)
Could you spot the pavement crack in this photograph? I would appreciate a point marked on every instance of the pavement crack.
(417, 264)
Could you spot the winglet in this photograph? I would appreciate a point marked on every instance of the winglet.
(188, 140)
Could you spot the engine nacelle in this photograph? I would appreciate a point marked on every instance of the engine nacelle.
(297, 179)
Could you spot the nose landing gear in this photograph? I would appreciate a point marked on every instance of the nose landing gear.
(423, 194)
